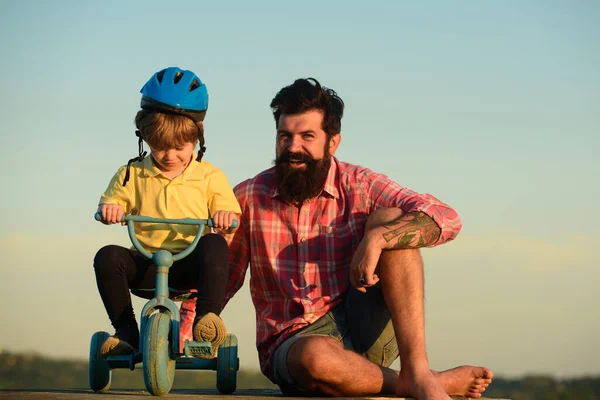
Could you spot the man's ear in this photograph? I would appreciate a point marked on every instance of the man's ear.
(334, 142)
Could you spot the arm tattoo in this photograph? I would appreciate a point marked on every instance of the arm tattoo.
(411, 231)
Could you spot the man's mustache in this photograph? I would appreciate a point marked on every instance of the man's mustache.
(288, 156)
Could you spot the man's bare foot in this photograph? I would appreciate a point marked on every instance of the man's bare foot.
(466, 380)
(421, 386)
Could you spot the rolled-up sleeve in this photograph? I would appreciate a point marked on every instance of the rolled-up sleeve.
(387, 193)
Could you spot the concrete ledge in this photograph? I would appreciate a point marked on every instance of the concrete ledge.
(121, 394)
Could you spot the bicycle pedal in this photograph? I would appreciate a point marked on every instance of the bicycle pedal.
(197, 349)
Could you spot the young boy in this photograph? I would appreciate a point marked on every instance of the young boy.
(169, 183)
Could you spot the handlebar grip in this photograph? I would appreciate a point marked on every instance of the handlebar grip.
(98, 217)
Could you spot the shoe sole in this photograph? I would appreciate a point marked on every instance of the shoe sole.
(210, 328)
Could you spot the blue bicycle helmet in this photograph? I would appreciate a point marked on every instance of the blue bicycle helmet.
(178, 91)
(173, 91)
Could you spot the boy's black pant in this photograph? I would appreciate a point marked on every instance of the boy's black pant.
(119, 269)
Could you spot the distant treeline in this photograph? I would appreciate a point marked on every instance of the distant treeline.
(32, 371)
(545, 388)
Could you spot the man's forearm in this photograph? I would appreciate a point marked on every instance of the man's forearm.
(410, 231)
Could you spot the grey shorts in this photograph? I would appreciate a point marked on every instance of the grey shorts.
(361, 323)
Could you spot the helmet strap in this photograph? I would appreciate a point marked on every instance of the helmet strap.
(140, 157)
(201, 148)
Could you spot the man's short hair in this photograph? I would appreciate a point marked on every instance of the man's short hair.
(307, 95)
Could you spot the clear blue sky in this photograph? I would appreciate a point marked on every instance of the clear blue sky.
(494, 107)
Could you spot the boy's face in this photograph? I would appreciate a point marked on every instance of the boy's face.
(173, 160)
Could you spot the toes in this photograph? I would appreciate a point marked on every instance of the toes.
(481, 381)
(477, 388)
(487, 373)
(482, 372)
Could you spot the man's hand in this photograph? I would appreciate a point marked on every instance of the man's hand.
(389, 229)
(364, 263)
(111, 213)
(223, 219)
(363, 267)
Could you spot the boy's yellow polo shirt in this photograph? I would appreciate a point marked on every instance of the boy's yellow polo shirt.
(200, 191)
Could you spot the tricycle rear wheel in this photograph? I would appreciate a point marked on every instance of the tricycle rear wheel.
(227, 365)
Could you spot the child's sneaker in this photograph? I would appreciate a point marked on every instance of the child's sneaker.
(119, 343)
(210, 328)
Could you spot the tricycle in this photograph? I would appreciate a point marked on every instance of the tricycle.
(160, 353)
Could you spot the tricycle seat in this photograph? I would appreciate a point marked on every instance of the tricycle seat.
(174, 294)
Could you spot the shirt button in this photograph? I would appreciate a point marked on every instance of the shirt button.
(303, 240)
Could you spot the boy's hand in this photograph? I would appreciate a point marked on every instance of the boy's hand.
(223, 219)
(111, 213)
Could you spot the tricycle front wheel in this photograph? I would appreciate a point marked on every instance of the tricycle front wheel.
(159, 367)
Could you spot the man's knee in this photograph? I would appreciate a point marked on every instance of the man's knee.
(309, 359)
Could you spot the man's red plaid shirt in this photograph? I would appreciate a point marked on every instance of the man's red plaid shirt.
(299, 257)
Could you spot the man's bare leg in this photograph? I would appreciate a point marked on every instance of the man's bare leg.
(402, 281)
(321, 364)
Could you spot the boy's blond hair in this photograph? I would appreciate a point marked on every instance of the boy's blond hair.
(167, 131)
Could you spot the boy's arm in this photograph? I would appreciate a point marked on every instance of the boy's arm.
(239, 258)
(118, 194)
(222, 204)
(220, 195)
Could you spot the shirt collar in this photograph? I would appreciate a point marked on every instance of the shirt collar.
(151, 170)
(329, 187)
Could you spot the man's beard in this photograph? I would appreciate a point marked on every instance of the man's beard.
(295, 185)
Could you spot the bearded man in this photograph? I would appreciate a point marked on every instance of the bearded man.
(336, 273)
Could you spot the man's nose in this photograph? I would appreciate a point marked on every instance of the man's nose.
(294, 144)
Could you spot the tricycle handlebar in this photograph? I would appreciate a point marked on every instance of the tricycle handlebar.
(180, 221)
(130, 219)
